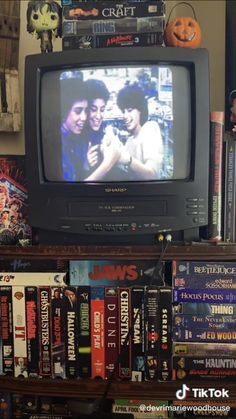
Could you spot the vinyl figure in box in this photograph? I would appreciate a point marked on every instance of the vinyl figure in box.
(44, 22)
(14, 227)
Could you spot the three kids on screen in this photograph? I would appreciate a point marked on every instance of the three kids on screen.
(91, 149)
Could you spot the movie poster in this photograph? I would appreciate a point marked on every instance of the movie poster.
(14, 226)
(230, 67)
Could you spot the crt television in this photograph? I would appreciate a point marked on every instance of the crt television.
(150, 132)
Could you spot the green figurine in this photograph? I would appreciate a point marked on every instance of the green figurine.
(44, 22)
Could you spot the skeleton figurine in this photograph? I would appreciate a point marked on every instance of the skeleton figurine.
(44, 22)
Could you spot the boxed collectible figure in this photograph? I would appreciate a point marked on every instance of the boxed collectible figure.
(14, 226)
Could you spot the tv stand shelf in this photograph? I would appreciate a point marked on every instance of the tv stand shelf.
(121, 389)
(195, 251)
(85, 389)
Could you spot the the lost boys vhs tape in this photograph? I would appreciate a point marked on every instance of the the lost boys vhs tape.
(112, 10)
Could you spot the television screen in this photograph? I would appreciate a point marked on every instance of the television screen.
(116, 123)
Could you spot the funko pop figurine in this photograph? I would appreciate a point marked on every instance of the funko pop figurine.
(44, 22)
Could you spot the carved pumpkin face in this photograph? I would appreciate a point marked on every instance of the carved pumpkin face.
(183, 32)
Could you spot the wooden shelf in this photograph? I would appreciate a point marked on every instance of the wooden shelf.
(122, 389)
(95, 389)
(196, 251)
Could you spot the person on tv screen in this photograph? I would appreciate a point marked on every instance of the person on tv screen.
(144, 144)
(74, 146)
(103, 143)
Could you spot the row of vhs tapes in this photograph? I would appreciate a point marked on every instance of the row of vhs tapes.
(86, 331)
(108, 24)
(204, 319)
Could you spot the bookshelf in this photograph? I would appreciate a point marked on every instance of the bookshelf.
(119, 389)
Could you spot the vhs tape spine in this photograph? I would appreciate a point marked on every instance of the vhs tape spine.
(152, 331)
(200, 335)
(111, 331)
(7, 330)
(113, 27)
(32, 278)
(58, 334)
(230, 189)
(112, 10)
(84, 331)
(204, 309)
(97, 332)
(193, 374)
(214, 230)
(204, 296)
(207, 322)
(204, 363)
(117, 40)
(124, 304)
(196, 269)
(203, 349)
(70, 310)
(165, 334)
(31, 307)
(138, 333)
(44, 307)
(19, 332)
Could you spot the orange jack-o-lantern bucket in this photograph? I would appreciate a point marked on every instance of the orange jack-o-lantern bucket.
(183, 32)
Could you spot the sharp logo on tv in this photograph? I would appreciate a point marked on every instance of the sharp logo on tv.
(121, 190)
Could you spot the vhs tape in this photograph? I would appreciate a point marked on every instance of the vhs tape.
(203, 349)
(84, 331)
(112, 10)
(204, 309)
(200, 335)
(122, 26)
(31, 309)
(182, 269)
(124, 307)
(112, 272)
(204, 296)
(217, 322)
(97, 332)
(111, 327)
(70, 320)
(19, 332)
(204, 363)
(6, 322)
(117, 40)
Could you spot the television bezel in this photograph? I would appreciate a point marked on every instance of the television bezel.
(196, 60)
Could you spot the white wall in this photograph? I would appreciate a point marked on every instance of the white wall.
(211, 17)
